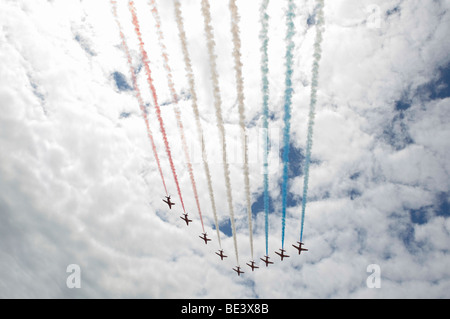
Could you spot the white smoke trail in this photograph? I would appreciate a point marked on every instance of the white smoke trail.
(217, 105)
(240, 94)
(290, 45)
(264, 19)
(190, 76)
(314, 83)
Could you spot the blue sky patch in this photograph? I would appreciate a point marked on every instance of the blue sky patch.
(443, 205)
(225, 227)
(354, 193)
(296, 160)
(419, 216)
(441, 87)
(121, 82)
(84, 45)
(393, 11)
(396, 133)
(125, 115)
(402, 105)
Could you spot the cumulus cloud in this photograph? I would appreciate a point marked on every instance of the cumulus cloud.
(78, 182)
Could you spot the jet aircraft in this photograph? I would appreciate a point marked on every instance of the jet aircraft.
(252, 265)
(206, 239)
(282, 255)
(266, 260)
(220, 253)
(238, 270)
(186, 219)
(300, 249)
(168, 202)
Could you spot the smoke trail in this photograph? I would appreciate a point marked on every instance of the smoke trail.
(217, 105)
(240, 94)
(138, 91)
(176, 108)
(190, 75)
(145, 59)
(290, 15)
(314, 83)
(264, 19)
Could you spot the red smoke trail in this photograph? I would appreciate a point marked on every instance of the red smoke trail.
(155, 98)
(176, 108)
(138, 91)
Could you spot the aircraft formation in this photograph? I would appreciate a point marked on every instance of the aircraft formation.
(221, 254)
(215, 85)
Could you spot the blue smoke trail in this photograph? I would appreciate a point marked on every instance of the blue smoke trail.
(287, 109)
(312, 105)
(264, 18)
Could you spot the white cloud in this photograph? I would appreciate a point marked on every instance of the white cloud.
(79, 184)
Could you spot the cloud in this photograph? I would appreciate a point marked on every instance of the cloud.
(78, 183)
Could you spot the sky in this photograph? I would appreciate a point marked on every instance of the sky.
(79, 184)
